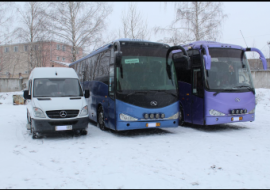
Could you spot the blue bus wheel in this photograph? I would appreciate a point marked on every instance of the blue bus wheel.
(181, 117)
(101, 119)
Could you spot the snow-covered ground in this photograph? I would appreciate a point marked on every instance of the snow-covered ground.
(224, 156)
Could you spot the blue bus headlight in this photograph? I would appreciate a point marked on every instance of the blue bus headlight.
(175, 116)
(157, 116)
(162, 116)
(146, 116)
(151, 116)
(125, 117)
(216, 113)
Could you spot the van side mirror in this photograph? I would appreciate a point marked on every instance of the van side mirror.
(26, 95)
(87, 94)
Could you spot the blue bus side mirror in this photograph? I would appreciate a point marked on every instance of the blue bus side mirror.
(188, 65)
(207, 61)
(87, 94)
(117, 59)
(26, 95)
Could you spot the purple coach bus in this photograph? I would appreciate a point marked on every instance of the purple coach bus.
(217, 86)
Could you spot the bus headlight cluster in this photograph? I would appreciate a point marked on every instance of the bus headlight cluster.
(175, 116)
(216, 113)
(125, 117)
(154, 116)
(252, 111)
(238, 111)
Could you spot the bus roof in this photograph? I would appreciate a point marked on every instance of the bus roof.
(107, 46)
(197, 45)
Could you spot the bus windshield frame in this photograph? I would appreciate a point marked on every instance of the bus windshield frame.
(229, 71)
(144, 69)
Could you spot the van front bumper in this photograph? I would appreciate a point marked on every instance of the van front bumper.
(50, 125)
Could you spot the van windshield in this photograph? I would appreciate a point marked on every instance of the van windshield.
(57, 88)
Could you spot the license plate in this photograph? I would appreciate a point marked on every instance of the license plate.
(63, 128)
(237, 118)
(153, 125)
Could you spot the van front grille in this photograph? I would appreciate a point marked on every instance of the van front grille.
(56, 123)
(61, 113)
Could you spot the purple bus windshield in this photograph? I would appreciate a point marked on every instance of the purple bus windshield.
(229, 69)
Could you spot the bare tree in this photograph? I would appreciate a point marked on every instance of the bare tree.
(33, 20)
(80, 24)
(134, 25)
(6, 18)
(195, 21)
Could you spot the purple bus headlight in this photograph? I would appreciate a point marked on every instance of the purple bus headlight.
(216, 113)
(252, 111)
(125, 117)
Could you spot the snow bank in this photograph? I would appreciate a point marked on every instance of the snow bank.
(222, 156)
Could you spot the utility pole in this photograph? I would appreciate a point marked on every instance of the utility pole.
(269, 51)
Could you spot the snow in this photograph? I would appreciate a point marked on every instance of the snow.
(223, 156)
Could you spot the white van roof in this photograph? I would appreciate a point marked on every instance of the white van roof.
(53, 72)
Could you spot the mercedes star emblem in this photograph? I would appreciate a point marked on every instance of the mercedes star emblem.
(63, 114)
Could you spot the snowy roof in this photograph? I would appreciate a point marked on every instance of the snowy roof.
(53, 72)
(62, 63)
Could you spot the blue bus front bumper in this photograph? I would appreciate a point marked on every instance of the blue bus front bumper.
(125, 125)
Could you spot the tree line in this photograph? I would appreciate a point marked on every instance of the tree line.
(82, 24)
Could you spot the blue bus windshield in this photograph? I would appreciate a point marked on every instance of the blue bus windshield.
(144, 68)
(229, 69)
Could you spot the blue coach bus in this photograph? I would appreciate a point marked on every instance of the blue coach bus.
(132, 85)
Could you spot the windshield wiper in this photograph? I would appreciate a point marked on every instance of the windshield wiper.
(223, 90)
(246, 86)
(135, 92)
(171, 93)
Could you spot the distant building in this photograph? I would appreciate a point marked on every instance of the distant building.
(17, 60)
(256, 64)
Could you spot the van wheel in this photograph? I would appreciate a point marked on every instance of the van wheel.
(101, 119)
(181, 117)
(83, 132)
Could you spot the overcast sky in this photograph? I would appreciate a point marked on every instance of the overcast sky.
(252, 18)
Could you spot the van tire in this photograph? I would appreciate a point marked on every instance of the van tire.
(84, 132)
(100, 119)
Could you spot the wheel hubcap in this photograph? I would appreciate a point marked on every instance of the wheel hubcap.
(101, 118)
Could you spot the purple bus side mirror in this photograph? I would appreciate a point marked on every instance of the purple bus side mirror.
(264, 62)
(207, 61)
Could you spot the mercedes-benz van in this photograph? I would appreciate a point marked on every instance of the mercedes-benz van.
(55, 101)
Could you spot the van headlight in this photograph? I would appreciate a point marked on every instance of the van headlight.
(39, 113)
(175, 116)
(216, 113)
(84, 111)
(252, 111)
(125, 117)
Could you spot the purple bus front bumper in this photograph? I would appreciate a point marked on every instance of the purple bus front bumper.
(212, 120)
